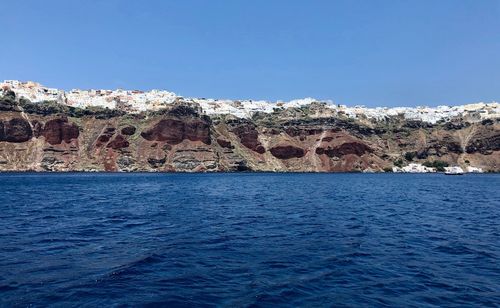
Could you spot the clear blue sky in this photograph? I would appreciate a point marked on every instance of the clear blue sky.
(376, 53)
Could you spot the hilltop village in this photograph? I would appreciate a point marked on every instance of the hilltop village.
(136, 101)
(48, 129)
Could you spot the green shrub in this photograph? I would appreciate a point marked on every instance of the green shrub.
(438, 164)
(409, 156)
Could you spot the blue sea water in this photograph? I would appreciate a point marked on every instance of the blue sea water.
(249, 240)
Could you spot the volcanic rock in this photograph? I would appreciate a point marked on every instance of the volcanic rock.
(287, 152)
(58, 130)
(15, 130)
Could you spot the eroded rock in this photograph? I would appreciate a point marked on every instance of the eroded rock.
(287, 152)
(105, 136)
(346, 148)
(484, 145)
(15, 130)
(128, 130)
(174, 131)
(119, 142)
(224, 143)
(58, 130)
(157, 162)
(249, 137)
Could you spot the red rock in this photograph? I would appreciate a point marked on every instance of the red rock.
(110, 161)
(58, 130)
(249, 137)
(15, 130)
(356, 148)
(197, 130)
(287, 152)
(174, 131)
(118, 143)
(224, 143)
(105, 136)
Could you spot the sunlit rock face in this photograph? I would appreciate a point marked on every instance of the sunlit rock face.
(247, 134)
(174, 131)
(187, 135)
(59, 130)
(136, 101)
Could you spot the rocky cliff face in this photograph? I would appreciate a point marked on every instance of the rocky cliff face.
(180, 138)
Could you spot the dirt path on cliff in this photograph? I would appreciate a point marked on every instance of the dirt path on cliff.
(315, 158)
(465, 138)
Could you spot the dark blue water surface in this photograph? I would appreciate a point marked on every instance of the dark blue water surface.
(250, 239)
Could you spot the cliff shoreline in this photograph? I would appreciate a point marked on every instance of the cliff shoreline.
(181, 137)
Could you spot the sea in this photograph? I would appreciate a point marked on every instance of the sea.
(249, 240)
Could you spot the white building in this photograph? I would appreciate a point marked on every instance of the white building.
(414, 168)
(471, 169)
(136, 101)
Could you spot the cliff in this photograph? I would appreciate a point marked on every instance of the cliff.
(182, 136)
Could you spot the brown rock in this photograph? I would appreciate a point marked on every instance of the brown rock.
(287, 152)
(118, 143)
(346, 148)
(128, 130)
(197, 130)
(295, 131)
(15, 130)
(485, 144)
(249, 137)
(37, 128)
(174, 131)
(58, 130)
(105, 136)
(224, 143)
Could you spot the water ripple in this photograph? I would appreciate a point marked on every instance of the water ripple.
(345, 240)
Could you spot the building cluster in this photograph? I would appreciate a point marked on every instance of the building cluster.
(470, 112)
(414, 168)
(136, 101)
(419, 168)
(129, 100)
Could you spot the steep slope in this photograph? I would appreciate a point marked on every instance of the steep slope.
(180, 137)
